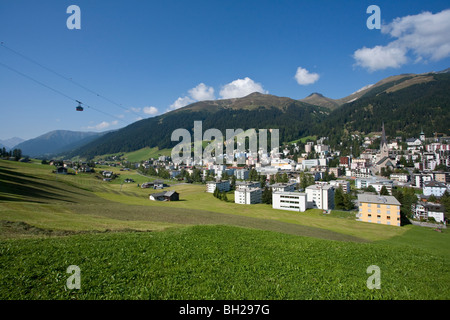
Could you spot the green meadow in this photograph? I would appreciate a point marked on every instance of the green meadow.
(128, 247)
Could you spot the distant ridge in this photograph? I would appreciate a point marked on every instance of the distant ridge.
(54, 142)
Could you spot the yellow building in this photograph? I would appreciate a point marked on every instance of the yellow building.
(379, 209)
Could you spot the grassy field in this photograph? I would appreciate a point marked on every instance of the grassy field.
(139, 155)
(129, 247)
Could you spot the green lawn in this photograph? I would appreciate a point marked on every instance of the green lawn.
(197, 248)
(216, 262)
(139, 155)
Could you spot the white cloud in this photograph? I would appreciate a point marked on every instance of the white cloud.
(199, 93)
(103, 125)
(426, 36)
(181, 102)
(304, 77)
(202, 92)
(150, 110)
(380, 57)
(240, 88)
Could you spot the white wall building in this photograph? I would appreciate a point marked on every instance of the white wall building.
(344, 184)
(321, 196)
(248, 195)
(435, 188)
(223, 186)
(293, 201)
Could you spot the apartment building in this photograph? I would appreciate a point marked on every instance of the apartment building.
(320, 196)
(344, 184)
(292, 201)
(223, 186)
(379, 209)
(246, 195)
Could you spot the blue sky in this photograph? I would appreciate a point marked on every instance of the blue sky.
(148, 57)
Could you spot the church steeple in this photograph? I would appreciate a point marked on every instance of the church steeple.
(383, 136)
(384, 150)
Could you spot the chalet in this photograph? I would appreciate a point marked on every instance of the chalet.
(107, 174)
(157, 184)
(61, 170)
(426, 210)
(165, 196)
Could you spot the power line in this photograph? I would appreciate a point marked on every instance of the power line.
(58, 92)
(66, 78)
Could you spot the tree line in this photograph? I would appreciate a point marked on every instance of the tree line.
(16, 154)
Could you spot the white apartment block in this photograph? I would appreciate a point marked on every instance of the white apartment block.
(293, 201)
(248, 195)
(321, 196)
(344, 184)
(223, 186)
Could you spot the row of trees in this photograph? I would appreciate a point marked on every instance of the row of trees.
(220, 195)
(16, 153)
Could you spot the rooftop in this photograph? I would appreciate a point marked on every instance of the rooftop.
(373, 198)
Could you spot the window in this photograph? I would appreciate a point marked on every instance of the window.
(388, 217)
(368, 205)
(378, 216)
(378, 206)
(378, 210)
(369, 215)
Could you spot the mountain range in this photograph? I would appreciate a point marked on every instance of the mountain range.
(406, 104)
(10, 143)
(56, 143)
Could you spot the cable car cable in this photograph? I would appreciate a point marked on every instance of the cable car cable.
(66, 78)
(59, 92)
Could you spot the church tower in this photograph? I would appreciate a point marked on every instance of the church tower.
(422, 136)
(384, 150)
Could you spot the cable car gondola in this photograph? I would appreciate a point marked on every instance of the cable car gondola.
(79, 108)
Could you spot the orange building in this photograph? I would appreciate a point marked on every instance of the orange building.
(379, 209)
